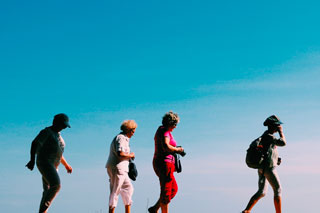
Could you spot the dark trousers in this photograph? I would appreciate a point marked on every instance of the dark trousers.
(51, 185)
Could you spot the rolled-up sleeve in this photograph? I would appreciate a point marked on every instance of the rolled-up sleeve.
(280, 142)
(121, 144)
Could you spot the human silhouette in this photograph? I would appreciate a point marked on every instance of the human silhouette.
(48, 147)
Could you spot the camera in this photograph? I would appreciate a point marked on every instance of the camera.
(279, 161)
(182, 153)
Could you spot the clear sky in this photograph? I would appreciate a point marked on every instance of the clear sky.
(224, 66)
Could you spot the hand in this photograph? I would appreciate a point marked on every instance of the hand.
(30, 165)
(132, 155)
(180, 149)
(68, 168)
(280, 129)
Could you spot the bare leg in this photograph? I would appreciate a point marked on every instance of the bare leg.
(155, 208)
(259, 194)
(277, 204)
(164, 208)
(128, 208)
(111, 210)
(254, 199)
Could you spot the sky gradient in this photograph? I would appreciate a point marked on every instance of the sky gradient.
(222, 66)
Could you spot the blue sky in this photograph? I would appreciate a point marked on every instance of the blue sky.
(223, 66)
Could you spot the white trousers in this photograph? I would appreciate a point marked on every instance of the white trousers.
(119, 184)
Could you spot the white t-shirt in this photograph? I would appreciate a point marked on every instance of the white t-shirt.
(119, 143)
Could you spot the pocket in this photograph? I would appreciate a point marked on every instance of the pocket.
(169, 169)
(120, 171)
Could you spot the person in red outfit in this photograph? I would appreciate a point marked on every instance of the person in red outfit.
(164, 162)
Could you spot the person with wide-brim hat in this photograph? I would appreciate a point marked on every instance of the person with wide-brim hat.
(268, 172)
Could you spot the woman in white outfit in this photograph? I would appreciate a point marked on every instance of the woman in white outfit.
(118, 166)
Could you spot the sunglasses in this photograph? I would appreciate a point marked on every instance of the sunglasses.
(132, 130)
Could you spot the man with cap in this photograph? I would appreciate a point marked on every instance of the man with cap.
(268, 172)
(48, 146)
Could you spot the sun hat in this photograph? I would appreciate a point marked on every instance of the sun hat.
(272, 120)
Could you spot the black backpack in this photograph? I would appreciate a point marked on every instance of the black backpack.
(256, 155)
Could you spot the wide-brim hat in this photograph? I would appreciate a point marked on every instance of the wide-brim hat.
(272, 121)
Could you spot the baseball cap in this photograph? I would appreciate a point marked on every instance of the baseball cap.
(62, 118)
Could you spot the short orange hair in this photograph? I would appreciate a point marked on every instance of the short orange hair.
(128, 125)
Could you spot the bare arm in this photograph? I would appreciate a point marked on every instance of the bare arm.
(171, 148)
(38, 141)
(282, 140)
(30, 164)
(66, 165)
(124, 155)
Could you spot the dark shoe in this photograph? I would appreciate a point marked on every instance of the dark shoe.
(151, 210)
